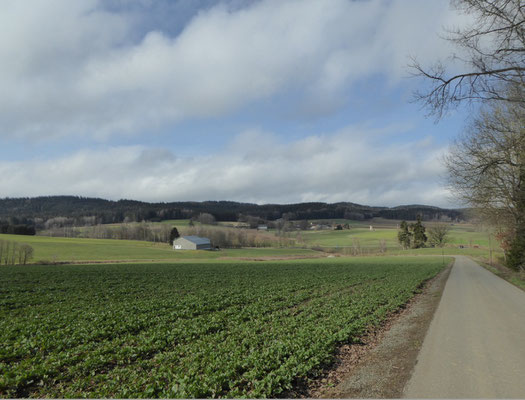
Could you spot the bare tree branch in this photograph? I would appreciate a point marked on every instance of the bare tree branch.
(495, 57)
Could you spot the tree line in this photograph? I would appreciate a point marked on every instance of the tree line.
(12, 253)
(237, 238)
(63, 211)
(414, 236)
(165, 233)
(129, 231)
(19, 229)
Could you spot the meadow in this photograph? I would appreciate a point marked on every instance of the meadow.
(465, 239)
(57, 249)
(190, 329)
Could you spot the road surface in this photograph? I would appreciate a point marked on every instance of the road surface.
(475, 346)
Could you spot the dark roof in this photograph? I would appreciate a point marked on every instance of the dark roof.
(197, 239)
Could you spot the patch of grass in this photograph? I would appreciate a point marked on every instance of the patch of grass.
(514, 277)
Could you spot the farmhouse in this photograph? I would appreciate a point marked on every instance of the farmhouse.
(191, 243)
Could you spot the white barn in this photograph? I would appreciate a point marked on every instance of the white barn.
(191, 243)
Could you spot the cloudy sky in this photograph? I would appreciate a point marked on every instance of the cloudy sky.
(265, 101)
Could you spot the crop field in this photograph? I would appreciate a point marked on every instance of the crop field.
(190, 330)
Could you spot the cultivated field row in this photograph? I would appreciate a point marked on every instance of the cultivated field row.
(189, 330)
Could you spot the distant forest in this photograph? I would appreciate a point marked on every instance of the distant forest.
(82, 211)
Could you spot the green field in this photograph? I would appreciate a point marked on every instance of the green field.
(344, 238)
(53, 249)
(465, 239)
(474, 240)
(189, 330)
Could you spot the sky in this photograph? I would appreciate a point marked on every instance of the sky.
(261, 101)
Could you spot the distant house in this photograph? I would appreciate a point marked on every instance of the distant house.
(191, 243)
(262, 228)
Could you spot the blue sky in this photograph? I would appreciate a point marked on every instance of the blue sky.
(260, 101)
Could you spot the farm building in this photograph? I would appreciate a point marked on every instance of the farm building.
(191, 243)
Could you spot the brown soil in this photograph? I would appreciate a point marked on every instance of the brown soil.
(381, 365)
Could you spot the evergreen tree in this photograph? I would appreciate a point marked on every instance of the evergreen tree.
(404, 236)
(174, 234)
(516, 253)
(418, 231)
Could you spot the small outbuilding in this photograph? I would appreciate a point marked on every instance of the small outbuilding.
(191, 243)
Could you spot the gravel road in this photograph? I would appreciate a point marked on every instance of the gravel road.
(475, 346)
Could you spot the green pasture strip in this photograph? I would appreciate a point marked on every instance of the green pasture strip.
(189, 330)
(346, 237)
(460, 234)
(53, 249)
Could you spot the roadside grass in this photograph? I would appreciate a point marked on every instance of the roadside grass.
(514, 277)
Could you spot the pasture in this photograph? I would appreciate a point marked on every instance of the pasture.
(474, 240)
(190, 330)
(56, 249)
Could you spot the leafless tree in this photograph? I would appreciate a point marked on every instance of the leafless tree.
(356, 246)
(382, 246)
(25, 253)
(207, 219)
(14, 253)
(492, 53)
(438, 234)
(7, 248)
(486, 165)
(486, 169)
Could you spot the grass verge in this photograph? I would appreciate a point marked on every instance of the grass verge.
(514, 277)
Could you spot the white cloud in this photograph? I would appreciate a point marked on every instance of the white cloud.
(68, 67)
(349, 165)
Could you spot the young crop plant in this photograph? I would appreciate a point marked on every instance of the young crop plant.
(189, 330)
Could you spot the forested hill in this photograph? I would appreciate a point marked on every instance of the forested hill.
(39, 209)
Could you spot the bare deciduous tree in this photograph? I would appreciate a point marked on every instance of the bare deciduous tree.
(438, 234)
(382, 246)
(356, 246)
(25, 253)
(487, 170)
(493, 55)
(207, 219)
(487, 164)
(12, 252)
